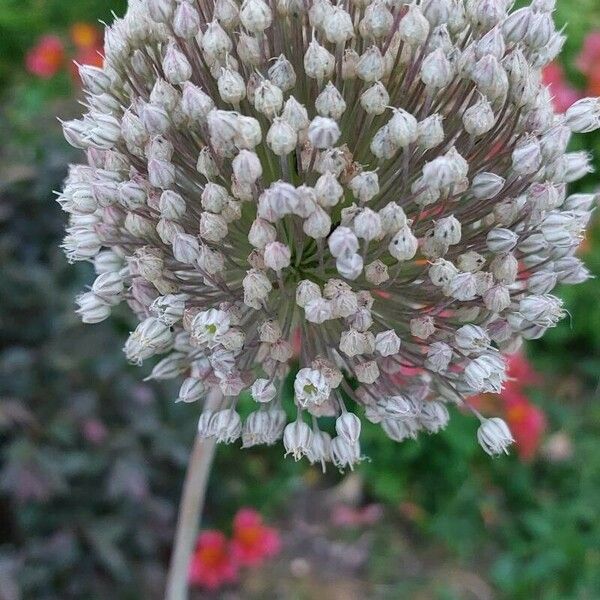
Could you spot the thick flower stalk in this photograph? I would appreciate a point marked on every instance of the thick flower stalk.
(384, 181)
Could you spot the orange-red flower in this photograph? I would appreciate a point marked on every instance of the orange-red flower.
(46, 58)
(86, 35)
(253, 541)
(212, 564)
(526, 421)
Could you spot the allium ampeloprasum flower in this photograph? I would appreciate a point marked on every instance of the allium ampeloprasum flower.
(385, 180)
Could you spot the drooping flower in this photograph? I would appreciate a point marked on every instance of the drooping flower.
(252, 540)
(46, 58)
(390, 181)
(212, 564)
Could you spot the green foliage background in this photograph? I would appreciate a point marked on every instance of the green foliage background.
(83, 516)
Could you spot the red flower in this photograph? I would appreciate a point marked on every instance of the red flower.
(46, 57)
(527, 423)
(520, 371)
(252, 540)
(563, 94)
(212, 563)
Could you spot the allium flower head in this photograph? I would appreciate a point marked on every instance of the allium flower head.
(388, 179)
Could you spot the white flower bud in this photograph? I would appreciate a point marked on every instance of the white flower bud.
(318, 310)
(430, 132)
(295, 114)
(227, 13)
(307, 291)
(376, 272)
(318, 224)
(319, 64)
(277, 256)
(479, 118)
(248, 49)
(377, 22)
(505, 268)
(494, 436)
(367, 372)
(348, 426)
(149, 338)
(413, 27)
(486, 185)
(367, 224)
(403, 245)
(263, 390)
(282, 73)
(92, 308)
(342, 241)
(584, 115)
(261, 233)
(370, 66)
(490, 77)
(268, 99)
(256, 285)
(422, 327)
(255, 15)
(323, 132)
(462, 287)
(501, 241)
(337, 26)
(387, 343)
(470, 261)
(439, 355)
(232, 87)
(375, 99)
(215, 41)
(281, 137)
(160, 11)
(330, 103)
(365, 186)
(191, 390)
(196, 104)
(186, 22)
(471, 338)
(175, 65)
(516, 25)
(213, 228)
(448, 230)
(186, 248)
(349, 266)
(403, 128)
(436, 70)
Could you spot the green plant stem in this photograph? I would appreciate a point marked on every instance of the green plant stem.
(190, 511)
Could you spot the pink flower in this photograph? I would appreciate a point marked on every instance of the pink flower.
(589, 56)
(252, 540)
(46, 57)
(212, 564)
(563, 95)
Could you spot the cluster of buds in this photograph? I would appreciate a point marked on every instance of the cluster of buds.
(385, 181)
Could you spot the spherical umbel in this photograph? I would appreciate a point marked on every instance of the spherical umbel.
(386, 183)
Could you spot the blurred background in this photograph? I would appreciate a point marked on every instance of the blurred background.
(92, 459)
